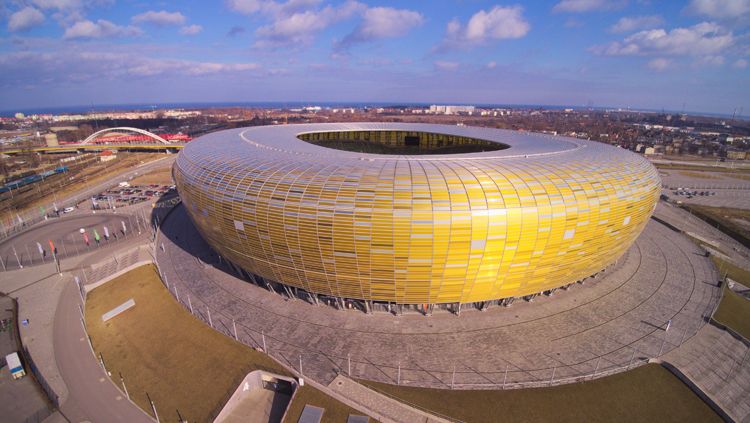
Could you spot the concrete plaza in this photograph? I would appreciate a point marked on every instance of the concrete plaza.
(605, 325)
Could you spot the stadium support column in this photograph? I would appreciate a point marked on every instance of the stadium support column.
(288, 291)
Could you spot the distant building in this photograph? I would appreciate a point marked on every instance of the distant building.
(51, 139)
(451, 110)
(736, 155)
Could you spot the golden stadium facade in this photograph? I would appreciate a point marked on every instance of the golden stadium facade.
(506, 214)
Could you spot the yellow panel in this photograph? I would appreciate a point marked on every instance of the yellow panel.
(416, 229)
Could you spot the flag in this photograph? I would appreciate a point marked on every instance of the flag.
(41, 210)
(41, 250)
(52, 247)
(86, 238)
(96, 235)
(124, 229)
(54, 205)
(106, 232)
(20, 221)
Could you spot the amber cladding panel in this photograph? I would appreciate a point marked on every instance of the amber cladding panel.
(415, 229)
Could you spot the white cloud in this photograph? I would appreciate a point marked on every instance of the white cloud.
(709, 60)
(497, 24)
(191, 29)
(659, 64)
(719, 9)
(96, 66)
(446, 66)
(270, 7)
(301, 27)
(58, 4)
(160, 18)
(99, 29)
(740, 64)
(629, 24)
(246, 7)
(383, 22)
(25, 19)
(703, 39)
(67, 12)
(491, 65)
(573, 23)
(578, 6)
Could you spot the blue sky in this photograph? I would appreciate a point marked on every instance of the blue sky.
(624, 53)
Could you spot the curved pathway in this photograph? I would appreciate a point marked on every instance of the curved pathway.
(602, 326)
(22, 248)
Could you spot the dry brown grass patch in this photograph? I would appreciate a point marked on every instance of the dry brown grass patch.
(160, 348)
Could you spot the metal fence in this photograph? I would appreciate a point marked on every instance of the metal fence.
(39, 251)
(20, 221)
(323, 366)
(54, 399)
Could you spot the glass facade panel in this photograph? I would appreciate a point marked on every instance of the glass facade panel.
(539, 213)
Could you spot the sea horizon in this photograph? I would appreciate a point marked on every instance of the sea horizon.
(91, 108)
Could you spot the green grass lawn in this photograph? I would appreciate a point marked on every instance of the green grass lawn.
(649, 393)
(734, 310)
(725, 219)
(309, 395)
(732, 271)
(184, 365)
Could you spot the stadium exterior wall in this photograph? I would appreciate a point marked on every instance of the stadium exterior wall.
(424, 229)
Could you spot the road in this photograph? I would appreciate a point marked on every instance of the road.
(706, 163)
(32, 216)
(92, 396)
(22, 248)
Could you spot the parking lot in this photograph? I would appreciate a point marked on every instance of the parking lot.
(714, 197)
(706, 188)
(127, 195)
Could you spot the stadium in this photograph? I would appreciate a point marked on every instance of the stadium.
(418, 215)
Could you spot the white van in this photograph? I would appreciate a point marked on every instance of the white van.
(14, 364)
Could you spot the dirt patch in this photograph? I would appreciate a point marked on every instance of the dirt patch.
(700, 175)
(159, 177)
(162, 350)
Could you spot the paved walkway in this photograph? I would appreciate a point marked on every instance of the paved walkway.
(21, 398)
(686, 222)
(22, 248)
(604, 326)
(56, 339)
(385, 408)
(92, 396)
(34, 304)
(719, 364)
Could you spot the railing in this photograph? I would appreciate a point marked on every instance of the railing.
(411, 374)
(20, 255)
(54, 399)
(18, 222)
